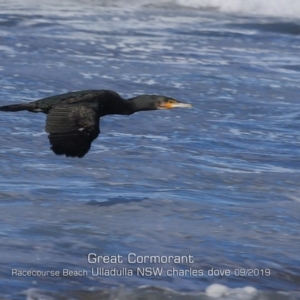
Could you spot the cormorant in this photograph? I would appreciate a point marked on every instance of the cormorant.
(73, 118)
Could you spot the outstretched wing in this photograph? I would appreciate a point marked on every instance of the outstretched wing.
(72, 128)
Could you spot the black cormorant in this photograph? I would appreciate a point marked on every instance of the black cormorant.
(73, 118)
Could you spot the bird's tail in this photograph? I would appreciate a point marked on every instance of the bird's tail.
(16, 107)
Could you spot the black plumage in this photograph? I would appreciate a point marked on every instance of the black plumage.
(73, 118)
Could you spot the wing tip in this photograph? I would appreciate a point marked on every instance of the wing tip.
(70, 146)
(68, 154)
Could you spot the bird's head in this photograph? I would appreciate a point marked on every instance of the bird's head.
(168, 103)
(154, 102)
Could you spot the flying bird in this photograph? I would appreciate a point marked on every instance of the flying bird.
(73, 118)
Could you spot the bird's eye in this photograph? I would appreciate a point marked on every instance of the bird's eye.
(172, 101)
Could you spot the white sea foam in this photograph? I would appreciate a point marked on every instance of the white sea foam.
(287, 8)
(221, 291)
(278, 8)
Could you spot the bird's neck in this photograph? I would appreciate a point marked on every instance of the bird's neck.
(118, 107)
(140, 103)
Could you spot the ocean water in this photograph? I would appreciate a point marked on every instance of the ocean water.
(216, 186)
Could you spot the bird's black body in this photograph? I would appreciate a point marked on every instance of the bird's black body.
(73, 118)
